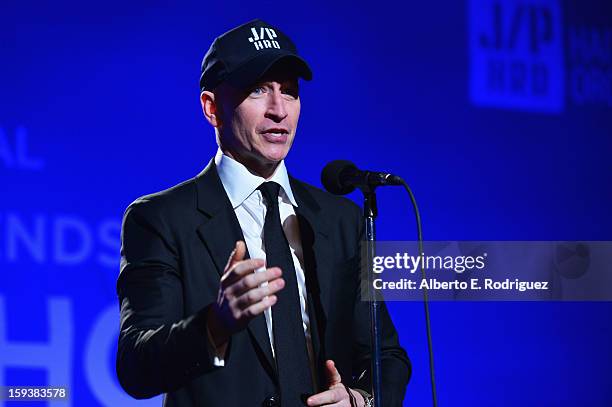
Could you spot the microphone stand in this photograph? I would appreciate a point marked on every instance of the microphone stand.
(370, 211)
(341, 177)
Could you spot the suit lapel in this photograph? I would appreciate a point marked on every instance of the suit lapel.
(221, 229)
(219, 233)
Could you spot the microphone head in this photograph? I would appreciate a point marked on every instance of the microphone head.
(334, 174)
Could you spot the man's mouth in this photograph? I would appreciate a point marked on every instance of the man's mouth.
(275, 130)
(275, 135)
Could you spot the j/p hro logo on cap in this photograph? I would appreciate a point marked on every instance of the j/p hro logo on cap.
(264, 38)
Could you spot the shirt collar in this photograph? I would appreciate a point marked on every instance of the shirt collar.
(240, 183)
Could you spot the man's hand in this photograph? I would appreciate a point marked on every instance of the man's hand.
(241, 297)
(337, 394)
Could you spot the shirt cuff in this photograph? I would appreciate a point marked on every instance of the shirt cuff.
(216, 352)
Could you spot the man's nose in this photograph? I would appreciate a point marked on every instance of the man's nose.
(276, 106)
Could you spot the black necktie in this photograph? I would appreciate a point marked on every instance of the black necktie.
(290, 350)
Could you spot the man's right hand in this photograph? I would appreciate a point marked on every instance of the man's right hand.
(241, 296)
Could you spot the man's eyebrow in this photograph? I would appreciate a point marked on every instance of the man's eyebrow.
(261, 83)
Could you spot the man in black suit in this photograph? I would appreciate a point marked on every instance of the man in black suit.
(281, 321)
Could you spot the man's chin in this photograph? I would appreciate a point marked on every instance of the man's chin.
(274, 157)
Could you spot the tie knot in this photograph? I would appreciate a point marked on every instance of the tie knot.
(270, 191)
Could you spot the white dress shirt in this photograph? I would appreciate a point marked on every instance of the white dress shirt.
(241, 188)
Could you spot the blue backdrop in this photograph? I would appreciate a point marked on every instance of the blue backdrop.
(497, 112)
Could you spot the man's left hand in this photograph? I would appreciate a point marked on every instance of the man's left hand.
(337, 394)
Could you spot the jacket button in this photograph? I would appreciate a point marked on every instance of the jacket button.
(272, 401)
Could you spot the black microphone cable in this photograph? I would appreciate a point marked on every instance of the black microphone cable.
(425, 296)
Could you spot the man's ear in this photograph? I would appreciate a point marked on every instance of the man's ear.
(209, 108)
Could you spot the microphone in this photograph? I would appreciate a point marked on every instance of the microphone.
(341, 177)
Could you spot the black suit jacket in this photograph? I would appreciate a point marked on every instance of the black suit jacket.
(175, 244)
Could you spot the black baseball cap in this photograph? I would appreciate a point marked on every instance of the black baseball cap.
(243, 55)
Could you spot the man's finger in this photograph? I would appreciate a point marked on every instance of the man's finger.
(239, 270)
(254, 280)
(236, 255)
(255, 295)
(327, 397)
(260, 306)
(333, 376)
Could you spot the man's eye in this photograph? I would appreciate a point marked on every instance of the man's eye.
(257, 91)
(291, 92)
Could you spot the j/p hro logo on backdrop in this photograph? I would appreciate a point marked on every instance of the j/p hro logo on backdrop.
(516, 54)
(263, 38)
